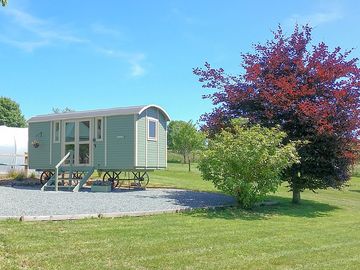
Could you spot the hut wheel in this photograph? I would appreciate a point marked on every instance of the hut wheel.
(141, 179)
(112, 177)
(45, 176)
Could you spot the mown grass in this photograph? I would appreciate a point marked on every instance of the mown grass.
(321, 233)
(177, 176)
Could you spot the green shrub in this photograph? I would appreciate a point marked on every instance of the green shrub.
(355, 170)
(99, 173)
(16, 174)
(173, 157)
(247, 162)
(32, 175)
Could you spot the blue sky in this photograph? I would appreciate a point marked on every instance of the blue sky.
(103, 54)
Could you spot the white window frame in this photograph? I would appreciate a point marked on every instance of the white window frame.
(76, 141)
(156, 129)
(102, 129)
(54, 132)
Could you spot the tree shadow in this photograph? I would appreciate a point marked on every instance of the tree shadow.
(354, 190)
(194, 199)
(21, 183)
(283, 207)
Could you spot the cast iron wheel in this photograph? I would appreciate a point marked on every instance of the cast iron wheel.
(123, 179)
(112, 177)
(141, 179)
(78, 175)
(45, 176)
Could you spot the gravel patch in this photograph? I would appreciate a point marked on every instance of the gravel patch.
(28, 201)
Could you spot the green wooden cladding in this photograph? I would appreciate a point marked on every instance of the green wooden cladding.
(39, 157)
(125, 143)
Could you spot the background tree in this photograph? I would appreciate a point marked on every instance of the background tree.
(247, 162)
(10, 114)
(310, 91)
(173, 125)
(4, 3)
(185, 139)
(66, 109)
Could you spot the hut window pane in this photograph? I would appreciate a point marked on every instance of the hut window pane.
(99, 129)
(68, 148)
(152, 130)
(84, 131)
(57, 132)
(84, 153)
(70, 132)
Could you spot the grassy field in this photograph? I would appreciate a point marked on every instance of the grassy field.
(177, 176)
(321, 233)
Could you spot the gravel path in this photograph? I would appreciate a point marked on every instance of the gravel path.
(25, 201)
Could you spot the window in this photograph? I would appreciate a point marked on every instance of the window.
(70, 132)
(56, 132)
(152, 129)
(99, 129)
(84, 131)
(84, 153)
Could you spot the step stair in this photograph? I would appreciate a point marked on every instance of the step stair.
(70, 178)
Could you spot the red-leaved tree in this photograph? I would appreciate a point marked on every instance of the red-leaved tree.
(312, 93)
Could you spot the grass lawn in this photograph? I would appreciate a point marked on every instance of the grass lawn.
(178, 176)
(321, 233)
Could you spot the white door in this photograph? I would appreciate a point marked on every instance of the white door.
(77, 137)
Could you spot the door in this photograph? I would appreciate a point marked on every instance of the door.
(77, 137)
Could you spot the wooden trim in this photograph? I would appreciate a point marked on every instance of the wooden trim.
(157, 107)
(146, 144)
(77, 142)
(152, 119)
(105, 143)
(135, 140)
(54, 132)
(96, 113)
(102, 128)
(158, 136)
(166, 144)
(51, 142)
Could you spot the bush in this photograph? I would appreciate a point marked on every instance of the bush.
(247, 162)
(355, 170)
(173, 157)
(16, 174)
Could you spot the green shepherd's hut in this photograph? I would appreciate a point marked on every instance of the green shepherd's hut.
(123, 143)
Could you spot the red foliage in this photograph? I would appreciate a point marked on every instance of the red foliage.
(311, 93)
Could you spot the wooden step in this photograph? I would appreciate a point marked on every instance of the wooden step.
(62, 188)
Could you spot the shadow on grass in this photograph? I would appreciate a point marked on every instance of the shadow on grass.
(307, 209)
(354, 190)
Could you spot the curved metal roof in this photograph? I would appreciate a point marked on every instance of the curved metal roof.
(96, 113)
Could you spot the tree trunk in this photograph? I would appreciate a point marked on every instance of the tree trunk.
(296, 196)
(189, 163)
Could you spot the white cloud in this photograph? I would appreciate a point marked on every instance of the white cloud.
(316, 19)
(134, 59)
(104, 30)
(137, 68)
(28, 32)
(325, 12)
(27, 46)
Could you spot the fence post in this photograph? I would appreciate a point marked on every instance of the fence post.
(26, 164)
